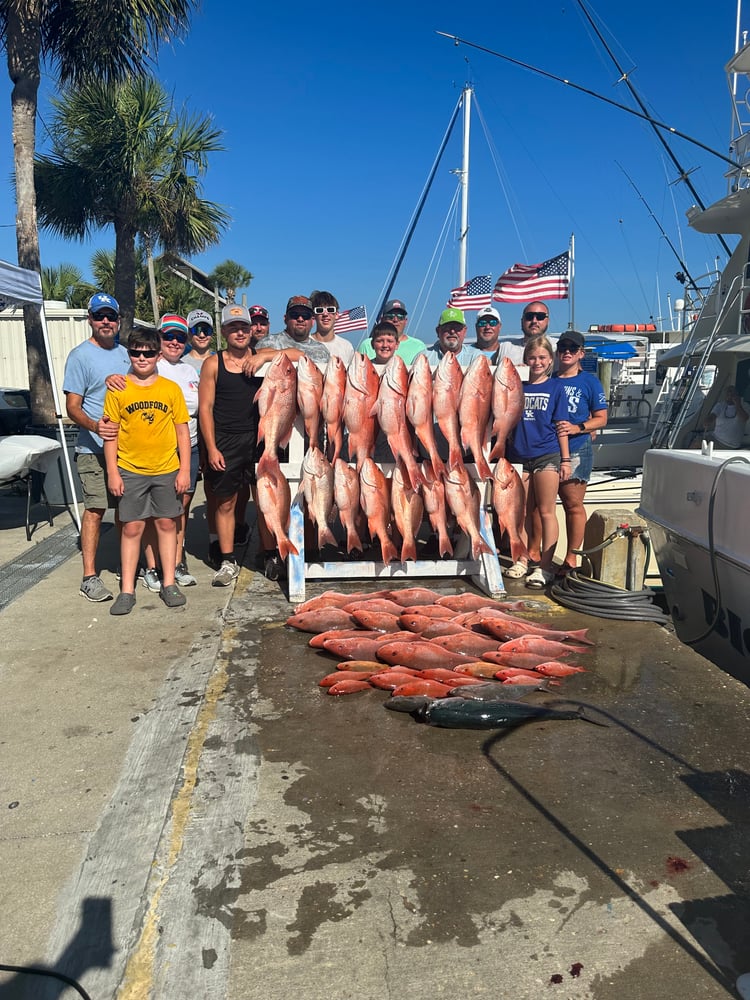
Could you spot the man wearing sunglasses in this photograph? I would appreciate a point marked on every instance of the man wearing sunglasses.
(394, 311)
(326, 311)
(201, 329)
(86, 369)
(534, 323)
(295, 337)
(488, 326)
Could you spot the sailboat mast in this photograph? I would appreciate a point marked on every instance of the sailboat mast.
(463, 239)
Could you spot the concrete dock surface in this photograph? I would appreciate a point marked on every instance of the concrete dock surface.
(186, 814)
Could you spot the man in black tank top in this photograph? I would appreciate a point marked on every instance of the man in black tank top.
(229, 428)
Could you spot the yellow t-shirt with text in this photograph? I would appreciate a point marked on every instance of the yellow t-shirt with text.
(147, 416)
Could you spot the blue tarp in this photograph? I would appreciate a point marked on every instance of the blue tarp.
(610, 349)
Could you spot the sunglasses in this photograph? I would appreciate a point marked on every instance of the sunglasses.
(141, 352)
(567, 348)
(319, 310)
(100, 316)
(300, 315)
(259, 321)
(535, 315)
(201, 331)
(169, 337)
(394, 315)
(487, 322)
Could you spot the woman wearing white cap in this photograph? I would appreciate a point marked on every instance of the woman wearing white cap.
(201, 328)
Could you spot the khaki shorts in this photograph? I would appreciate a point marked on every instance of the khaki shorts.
(92, 471)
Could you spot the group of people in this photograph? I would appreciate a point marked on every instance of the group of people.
(156, 412)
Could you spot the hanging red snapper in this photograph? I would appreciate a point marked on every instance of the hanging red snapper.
(309, 393)
(360, 396)
(474, 407)
(507, 405)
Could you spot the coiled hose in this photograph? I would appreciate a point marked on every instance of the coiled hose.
(592, 597)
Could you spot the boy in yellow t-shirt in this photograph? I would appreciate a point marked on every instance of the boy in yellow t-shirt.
(148, 465)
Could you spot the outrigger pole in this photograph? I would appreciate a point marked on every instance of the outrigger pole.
(592, 93)
(683, 175)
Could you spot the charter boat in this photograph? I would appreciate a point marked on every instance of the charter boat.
(695, 497)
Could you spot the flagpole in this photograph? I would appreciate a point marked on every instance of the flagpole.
(571, 282)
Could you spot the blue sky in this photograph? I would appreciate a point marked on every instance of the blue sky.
(333, 114)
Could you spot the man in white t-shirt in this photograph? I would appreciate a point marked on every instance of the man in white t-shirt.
(725, 424)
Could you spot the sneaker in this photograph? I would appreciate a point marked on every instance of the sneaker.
(225, 574)
(241, 533)
(272, 566)
(172, 597)
(517, 571)
(94, 590)
(151, 581)
(539, 578)
(182, 576)
(123, 605)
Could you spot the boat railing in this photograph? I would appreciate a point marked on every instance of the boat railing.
(697, 349)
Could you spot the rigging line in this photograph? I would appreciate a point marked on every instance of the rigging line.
(420, 205)
(440, 245)
(592, 93)
(496, 163)
(670, 244)
(625, 78)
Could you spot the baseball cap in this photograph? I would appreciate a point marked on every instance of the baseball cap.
(451, 315)
(394, 305)
(171, 321)
(199, 316)
(488, 311)
(233, 313)
(258, 311)
(299, 302)
(574, 337)
(103, 301)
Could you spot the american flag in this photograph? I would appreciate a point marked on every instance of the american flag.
(474, 294)
(351, 319)
(522, 282)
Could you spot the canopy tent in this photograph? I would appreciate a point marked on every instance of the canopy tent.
(21, 287)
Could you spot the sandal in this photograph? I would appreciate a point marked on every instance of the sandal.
(517, 571)
(562, 571)
(539, 578)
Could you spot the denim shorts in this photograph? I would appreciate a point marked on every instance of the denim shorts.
(582, 462)
(543, 463)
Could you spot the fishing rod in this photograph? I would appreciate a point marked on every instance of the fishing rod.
(592, 93)
(689, 280)
(625, 78)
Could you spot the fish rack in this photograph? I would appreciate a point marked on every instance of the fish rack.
(484, 572)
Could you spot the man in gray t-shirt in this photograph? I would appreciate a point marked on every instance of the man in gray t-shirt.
(298, 320)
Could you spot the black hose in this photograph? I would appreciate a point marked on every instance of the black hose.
(32, 971)
(592, 597)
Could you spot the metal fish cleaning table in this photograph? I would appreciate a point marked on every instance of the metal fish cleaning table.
(484, 572)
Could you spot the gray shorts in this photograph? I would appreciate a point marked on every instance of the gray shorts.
(148, 496)
(92, 471)
(543, 463)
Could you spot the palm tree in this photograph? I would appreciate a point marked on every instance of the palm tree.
(122, 156)
(228, 277)
(65, 284)
(75, 41)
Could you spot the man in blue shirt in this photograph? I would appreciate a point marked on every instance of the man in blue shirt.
(451, 331)
(86, 368)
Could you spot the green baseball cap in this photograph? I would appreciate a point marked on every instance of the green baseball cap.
(451, 315)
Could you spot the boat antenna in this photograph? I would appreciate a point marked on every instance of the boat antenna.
(683, 175)
(685, 273)
(592, 93)
(420, 205)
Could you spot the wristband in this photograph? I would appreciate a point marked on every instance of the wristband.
(564, 460)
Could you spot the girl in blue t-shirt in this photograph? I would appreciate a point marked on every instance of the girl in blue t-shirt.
(542, 450)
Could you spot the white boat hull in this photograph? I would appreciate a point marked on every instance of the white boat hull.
(703, 549)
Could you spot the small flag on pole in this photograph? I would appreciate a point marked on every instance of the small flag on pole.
(474, 294)
(522, 282)
(351, 319)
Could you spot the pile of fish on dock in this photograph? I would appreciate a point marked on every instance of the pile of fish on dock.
(424, 648)
(468, 410)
